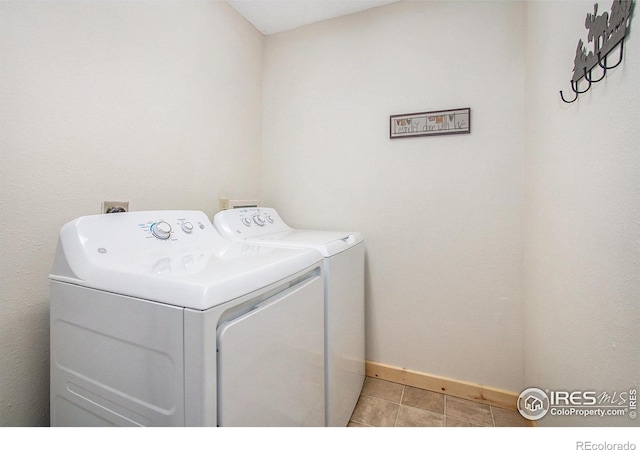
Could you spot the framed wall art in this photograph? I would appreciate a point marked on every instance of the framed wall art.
(433, 123)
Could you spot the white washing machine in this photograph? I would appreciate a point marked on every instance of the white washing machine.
(156, 320)
(343, 254)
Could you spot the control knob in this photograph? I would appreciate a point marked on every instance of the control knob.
(161, 230)
(187, 227)
(259, 220)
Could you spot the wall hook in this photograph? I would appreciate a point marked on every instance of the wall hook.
(568, 101)
(574, 84)
(607, 31)
(604, 66)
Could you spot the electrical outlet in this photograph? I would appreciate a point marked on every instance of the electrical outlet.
(114, 207)
(225, 203)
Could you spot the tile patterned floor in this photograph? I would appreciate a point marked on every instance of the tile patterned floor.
(387, 404)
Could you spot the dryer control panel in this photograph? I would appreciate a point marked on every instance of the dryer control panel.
(244, 223)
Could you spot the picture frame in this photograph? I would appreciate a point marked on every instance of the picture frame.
(430, 123)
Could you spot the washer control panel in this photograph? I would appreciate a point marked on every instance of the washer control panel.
(257, 218)
(139, 241)
(166, 229)
(243, 223)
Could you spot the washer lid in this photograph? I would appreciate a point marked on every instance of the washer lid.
(173, 257)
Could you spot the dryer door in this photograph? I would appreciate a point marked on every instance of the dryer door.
(271, 361)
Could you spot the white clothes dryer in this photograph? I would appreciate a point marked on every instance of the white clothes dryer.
(156, 320)
(343, 254)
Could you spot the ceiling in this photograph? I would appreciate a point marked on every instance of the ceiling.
(273, 16)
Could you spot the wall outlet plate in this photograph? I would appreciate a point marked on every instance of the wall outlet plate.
(225, 203)
(112, 207)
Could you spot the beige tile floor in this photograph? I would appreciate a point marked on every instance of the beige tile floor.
(387, 404)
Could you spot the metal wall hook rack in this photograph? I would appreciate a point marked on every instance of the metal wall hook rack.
(607, 31)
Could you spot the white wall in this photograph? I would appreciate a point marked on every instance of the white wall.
(442, 216)
(158, 103)
(582, 221)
